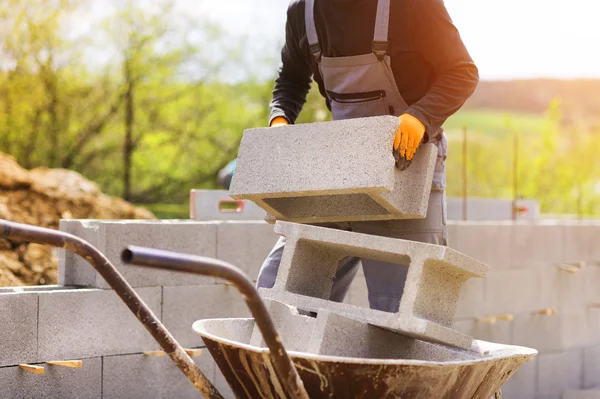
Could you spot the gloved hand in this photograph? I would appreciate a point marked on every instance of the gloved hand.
(408, 137)
(279, 121)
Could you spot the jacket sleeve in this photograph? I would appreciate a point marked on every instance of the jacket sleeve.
(295, 75)
(437, 40)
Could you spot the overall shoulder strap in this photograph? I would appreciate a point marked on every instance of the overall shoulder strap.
(311, 29)
(382, 23)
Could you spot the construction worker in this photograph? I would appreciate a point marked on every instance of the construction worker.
(371, 58)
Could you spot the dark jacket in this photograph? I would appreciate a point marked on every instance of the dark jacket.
(433, 70)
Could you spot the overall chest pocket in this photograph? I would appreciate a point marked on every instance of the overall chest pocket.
(358, 105)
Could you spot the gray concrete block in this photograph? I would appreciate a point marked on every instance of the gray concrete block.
(559, 372)
(182, 306)
(245, 244)
(523, 384)
(471, 302)
(56, 382)
(434, 281)
(92, 322)
(208, 205)
(149, 377)
(488, 242)
(358, 293)
(335, 335)
(591, 367)
(111, 237)
(512, 291)
(540, 242)
(18, 328)
(572, 289)
(499, 332)
(585, 394)
(332, 171)
(559, 332)
(492, 209)
(293, 328)
(592, 282)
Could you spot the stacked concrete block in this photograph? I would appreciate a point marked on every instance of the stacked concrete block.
(524, 383)
(434, 281)
(583, 394)
(591, 367)
(210, 205)
(56, 382)
(18, 328)
(559, 372)
(150, 377)
(245, 244)
(332, 171)
(513, 290)
(554, 333)
(492, 209)
(92, 322)
(538, 243)
(182, 306)
(111, 237)
(488, 242)
(499, 331)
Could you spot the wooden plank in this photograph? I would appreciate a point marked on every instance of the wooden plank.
(67, 363)
(32, 369)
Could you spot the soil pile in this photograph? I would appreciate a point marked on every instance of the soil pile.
(42, 197)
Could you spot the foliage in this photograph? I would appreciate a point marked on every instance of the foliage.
(157, 118)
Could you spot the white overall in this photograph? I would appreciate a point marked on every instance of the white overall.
(363, 86)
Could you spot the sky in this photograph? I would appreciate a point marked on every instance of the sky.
(507, 39)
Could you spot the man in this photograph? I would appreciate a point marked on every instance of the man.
(370, 58)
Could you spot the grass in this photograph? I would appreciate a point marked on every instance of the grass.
(495, 122)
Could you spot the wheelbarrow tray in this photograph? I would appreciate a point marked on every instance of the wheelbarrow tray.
(248, 369)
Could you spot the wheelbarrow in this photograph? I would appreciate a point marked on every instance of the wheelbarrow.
(273, 372)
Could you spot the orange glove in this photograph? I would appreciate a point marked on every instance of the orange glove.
(279, 121)
(409, 136)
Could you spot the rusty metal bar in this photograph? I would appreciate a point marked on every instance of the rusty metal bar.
(173, 261)
(116, 281)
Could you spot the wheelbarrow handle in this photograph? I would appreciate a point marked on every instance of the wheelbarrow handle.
(107, 270)
(174, 261)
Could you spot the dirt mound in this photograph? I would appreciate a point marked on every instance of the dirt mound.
(42, 197)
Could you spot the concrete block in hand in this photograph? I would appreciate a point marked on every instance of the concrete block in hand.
(56, 382)
(92, 322)
(182, 306)
(111, 237)
(18, 328)
(559, 372)
(332, 171)
(149, 377)
(428, 305)
(245, 244)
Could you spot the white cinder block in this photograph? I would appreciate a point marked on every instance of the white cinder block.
(559, 372)
(18, 328)
(538, 243)
(512, 291)
(488, 242)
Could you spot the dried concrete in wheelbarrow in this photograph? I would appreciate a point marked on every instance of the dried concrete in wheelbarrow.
(332, 171)
(428, 305)
(354, 364)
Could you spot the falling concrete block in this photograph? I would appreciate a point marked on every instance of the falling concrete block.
(554, 333)
(92, 322)
(591, 367)
(433, 284)
(540, 242)
(511, 291)
(523, 384)
(56, 382)
(488, 242)
(293, 328)
(182, 306)
(111, 237)
(332, 171)
(18, 328)
(210, 205)
(245, 244)
(559, 372)
(500, 331)
(586, 394)
(150, 377)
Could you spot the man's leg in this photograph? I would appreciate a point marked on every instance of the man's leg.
(385, 281)
(347, 269)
